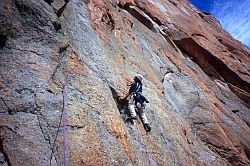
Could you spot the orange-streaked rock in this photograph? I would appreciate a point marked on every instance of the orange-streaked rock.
(196, 77)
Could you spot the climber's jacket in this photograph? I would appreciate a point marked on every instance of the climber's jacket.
(136, 91)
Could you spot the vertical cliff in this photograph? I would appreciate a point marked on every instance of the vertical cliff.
(196, 77)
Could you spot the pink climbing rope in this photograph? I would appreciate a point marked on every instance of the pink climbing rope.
(65, 94)
(65, 115)
(141, 138)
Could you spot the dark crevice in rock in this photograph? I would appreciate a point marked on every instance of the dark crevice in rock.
(113, 3)
(50, 91)
(242, 94)
(235, 159)
(197, 34)
(119, 102)
(3, 39)
(155, 19)
(49, 1)
(21, 90)
(63, 48)
(235, 111)
(122, 104)
(9, 128)
(170, 41)
(206, 13)
(53, 74)
(229, 47)
(222, 101)
(75, 127)
(60, 11)
(86, 1)
(139, 16)
(201, 15)
(8, 108)
(247, 151)
(173, 3)
(4, 153)
(243, 72)
(24, 108)
(204, 123)
(126, 5)
(214, 67)
(42, 130)
(232, 156)
(109, 20)
(57, 26)
(47, 138)
(24, 50)
(241, 62)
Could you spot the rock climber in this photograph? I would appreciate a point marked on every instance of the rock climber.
(138, 101)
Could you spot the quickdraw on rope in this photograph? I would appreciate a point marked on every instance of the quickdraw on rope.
(141, 138)
(64, 114)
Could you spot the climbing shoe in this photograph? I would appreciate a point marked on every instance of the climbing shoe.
(147, 127)
(131, 119)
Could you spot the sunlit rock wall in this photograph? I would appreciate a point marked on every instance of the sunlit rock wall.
(196, 77)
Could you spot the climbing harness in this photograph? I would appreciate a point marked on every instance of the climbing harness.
(137, 93)
(145, 146)
(64, 113)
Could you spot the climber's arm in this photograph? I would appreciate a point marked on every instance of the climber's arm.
(131, 89)
(129, 93)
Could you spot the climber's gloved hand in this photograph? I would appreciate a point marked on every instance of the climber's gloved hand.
(138, 105)
(142, 106)
(146, 105)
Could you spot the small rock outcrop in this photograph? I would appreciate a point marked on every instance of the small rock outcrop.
(196, 76)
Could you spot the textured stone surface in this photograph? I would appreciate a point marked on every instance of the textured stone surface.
(196, 78)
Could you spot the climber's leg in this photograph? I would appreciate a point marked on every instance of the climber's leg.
(131, 107)
(143, 116)
(144, 119)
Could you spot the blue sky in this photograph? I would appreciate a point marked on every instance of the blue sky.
(234, 16)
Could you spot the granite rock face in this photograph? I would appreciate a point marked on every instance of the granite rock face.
(196, 77)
